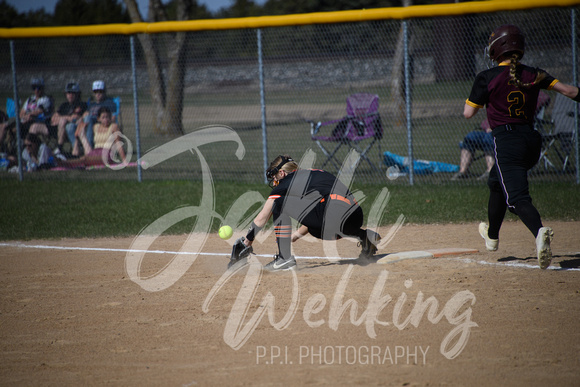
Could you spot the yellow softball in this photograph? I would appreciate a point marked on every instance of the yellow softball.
(226, 232)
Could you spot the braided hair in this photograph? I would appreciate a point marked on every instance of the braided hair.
(515, 75)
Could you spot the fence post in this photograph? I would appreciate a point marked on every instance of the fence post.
(16, 111)
(263, 104)
(575, 80)
(136, 107)
(408, 102)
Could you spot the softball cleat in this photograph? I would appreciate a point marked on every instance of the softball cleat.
(280, 263)
(490, 244)
(369, 244)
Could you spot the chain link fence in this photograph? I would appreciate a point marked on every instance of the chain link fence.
(267, 84)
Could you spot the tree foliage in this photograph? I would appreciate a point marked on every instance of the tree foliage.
(92, 49)
(10, 17)
(83, 12)
(66, 13)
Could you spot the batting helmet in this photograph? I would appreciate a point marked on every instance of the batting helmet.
(506, 38)
(275, 167)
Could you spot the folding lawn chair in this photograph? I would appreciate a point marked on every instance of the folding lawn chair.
(10, 108)
(117, 101)
(360, 129)
(559, 140)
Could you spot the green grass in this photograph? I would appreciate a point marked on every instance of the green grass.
(69, 209)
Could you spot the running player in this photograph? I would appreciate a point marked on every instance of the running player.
(510, 92)
(323, 205)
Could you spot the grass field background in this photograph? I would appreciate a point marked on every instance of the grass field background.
(78, 209)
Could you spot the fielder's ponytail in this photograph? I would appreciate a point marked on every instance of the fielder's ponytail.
(515, 76)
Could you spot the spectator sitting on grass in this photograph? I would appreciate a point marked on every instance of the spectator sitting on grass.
(35, 155)
(106, 139)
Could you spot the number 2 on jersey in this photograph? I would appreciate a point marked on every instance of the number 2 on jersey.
(517, 101)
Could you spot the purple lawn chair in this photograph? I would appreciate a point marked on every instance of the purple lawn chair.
(361, 124)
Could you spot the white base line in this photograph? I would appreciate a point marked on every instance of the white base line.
(48, 247)
(513, 264)
(467, 260)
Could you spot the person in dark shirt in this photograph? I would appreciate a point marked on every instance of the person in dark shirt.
(68, 114)
(323, 206)
(510, 94)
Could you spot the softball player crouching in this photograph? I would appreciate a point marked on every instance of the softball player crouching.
(323, 206)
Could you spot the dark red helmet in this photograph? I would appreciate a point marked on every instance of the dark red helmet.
(506, 38)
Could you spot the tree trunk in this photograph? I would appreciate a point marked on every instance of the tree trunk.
(172, 120)
(167, 97)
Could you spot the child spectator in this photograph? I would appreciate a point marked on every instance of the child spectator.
(105, 140)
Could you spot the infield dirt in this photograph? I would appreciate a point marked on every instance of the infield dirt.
(71, 315)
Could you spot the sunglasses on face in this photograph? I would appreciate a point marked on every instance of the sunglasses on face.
(98, 91)
(36, 87)
(28, 144)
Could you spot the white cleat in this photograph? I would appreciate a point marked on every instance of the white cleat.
(490, 244)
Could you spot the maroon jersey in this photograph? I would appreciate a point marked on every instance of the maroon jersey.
(506, 103)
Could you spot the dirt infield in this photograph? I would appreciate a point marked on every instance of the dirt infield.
(72, 315)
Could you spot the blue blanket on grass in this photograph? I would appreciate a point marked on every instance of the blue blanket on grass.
(420, 167)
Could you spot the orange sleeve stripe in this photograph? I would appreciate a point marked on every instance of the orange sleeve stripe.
(339, 197)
